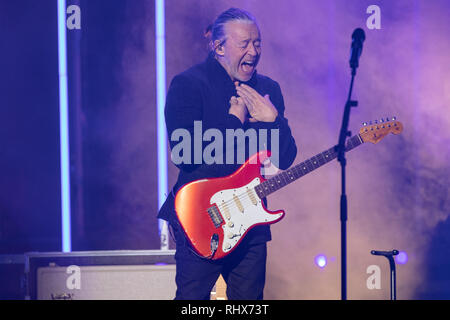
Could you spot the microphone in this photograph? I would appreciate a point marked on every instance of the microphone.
(384, 253)
(358, 37)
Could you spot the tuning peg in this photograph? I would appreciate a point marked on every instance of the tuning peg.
(394, 118)
(381, 120)
(365, 123)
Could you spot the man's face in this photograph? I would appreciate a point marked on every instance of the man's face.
(240, 53)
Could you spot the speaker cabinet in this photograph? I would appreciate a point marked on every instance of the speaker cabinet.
(102, 275)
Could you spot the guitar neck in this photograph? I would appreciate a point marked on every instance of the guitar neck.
(286, 177)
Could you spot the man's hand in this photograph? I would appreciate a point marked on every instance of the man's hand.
(260, 108)
(238, 108)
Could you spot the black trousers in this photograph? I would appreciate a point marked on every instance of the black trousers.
(244, 271)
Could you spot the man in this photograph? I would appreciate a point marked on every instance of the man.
(225, 92)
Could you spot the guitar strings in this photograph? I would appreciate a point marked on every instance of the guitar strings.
(240, 197)
(330, 155)
(243, 195)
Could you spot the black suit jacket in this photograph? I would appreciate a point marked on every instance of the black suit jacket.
(202, 93)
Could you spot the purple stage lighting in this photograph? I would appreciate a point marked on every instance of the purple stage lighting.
(401, 258)
(321, 261)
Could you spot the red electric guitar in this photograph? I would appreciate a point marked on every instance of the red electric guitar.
(216, 213)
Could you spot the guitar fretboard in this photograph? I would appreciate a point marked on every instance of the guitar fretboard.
(290, 175)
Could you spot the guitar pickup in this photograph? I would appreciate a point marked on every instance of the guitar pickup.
(215, 216)
(238, 203)
(252, 197)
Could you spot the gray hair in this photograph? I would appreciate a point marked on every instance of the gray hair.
(232, 14)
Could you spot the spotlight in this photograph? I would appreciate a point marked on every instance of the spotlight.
(401, 258)
(321, 261)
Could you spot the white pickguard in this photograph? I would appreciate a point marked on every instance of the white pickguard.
(241, 208)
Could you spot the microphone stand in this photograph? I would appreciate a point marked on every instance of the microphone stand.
(344, 133)
(390, 256)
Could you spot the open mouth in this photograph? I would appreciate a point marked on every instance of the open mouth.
(248, 66)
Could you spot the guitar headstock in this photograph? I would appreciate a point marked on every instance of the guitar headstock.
(376, 130)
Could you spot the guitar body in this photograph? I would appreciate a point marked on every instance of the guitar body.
(217, 213)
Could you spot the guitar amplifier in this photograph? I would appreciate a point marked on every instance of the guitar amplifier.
(101, 275)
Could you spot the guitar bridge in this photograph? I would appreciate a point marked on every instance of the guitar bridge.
(215, 216)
